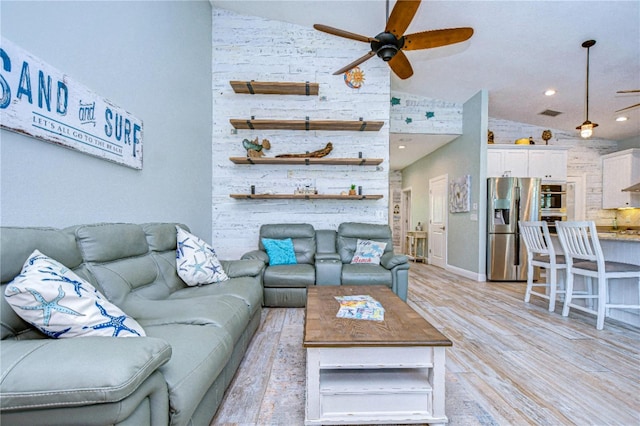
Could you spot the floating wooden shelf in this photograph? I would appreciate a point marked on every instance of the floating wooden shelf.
(371, 126)
(308, 161)
(275, 88)
(303, 197)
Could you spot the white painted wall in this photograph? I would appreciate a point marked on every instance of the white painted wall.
(252, 48)
(152, 59)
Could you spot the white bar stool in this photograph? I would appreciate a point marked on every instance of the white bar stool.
(584, 256)
(540, 252)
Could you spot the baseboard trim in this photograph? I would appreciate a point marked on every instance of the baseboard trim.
(467, 274)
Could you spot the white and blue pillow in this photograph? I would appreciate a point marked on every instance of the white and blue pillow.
(52, 298)
(196, 261)
(368, 251)
(280, 252)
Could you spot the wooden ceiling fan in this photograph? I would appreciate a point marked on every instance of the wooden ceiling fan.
(632, 106)
(390, 43)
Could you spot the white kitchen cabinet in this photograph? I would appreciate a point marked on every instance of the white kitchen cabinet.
(550, 165)
(507, 162)
(620, 170)
(547, 163)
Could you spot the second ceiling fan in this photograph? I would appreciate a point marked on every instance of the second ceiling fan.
(390, 43)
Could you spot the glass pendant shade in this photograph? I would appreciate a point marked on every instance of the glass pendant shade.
(586, 128)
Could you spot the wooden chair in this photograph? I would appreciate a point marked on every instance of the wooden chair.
(540, 252)
(584, 256)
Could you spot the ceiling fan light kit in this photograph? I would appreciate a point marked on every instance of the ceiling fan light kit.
(586, 128)
(390, 44)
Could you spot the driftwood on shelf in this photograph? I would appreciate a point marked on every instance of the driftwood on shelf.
(315, 154)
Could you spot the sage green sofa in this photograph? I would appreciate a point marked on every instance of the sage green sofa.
(324, 258)
(177, 375)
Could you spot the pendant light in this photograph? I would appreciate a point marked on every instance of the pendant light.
(586, 128)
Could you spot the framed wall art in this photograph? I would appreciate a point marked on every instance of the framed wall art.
(460, 194)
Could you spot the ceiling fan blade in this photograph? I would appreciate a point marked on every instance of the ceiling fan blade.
(401, 66)
(436, 38)
(628, 108)
(401, 16)
(355, 63)
(628, 91)
(342, 33)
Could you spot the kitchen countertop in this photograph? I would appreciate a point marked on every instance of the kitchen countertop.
(618, 236)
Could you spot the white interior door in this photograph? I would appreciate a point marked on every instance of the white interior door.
(437, 239)
(406, 217)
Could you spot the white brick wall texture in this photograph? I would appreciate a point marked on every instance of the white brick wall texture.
(253, 48)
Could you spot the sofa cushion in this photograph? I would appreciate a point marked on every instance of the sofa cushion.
(350, 232)
(280, 251)
(16, 245)
(118, 257)
(368, 251)
(36, 374)
(300, 275)
(363, 274)
(196, 261)
(199, 353)
(50, 296)
(302, 234)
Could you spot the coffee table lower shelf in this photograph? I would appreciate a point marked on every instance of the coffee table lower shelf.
(375, 385)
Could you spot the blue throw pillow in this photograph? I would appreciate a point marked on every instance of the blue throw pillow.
(280, 251)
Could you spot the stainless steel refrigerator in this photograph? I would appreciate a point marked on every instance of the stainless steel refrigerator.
(509, 200)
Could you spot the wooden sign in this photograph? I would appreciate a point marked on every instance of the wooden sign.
(40, 101)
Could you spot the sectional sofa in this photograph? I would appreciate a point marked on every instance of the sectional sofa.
(326, 257)
(177, 374)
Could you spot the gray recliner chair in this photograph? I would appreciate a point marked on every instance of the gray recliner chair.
(393, 270)
(286, 285)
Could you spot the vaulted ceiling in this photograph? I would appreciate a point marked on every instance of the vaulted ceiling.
(519, 49)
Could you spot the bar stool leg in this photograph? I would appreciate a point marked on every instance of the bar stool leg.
(568, 294)
(552, 275)
(527, 294)
(602, 301)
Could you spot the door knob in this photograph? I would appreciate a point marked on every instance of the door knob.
(442, 227)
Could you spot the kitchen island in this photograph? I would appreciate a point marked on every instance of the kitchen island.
(619, 247)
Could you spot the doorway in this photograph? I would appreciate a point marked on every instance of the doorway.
(437, 240)
(406, 218)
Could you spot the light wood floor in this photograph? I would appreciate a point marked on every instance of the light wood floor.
(511, 363)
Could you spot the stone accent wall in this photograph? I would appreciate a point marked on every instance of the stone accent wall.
(253, 48)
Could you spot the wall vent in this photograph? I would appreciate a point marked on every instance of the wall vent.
(550, 113)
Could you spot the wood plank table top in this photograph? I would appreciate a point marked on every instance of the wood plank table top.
(402, 326)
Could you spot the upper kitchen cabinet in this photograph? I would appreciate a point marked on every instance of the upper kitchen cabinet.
(547, 163)
(619, 171)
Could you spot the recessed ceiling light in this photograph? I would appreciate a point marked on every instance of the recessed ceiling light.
(622, 118)
(550, 92)
(401, 147)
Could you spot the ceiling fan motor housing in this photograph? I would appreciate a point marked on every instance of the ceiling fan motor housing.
(386, 45)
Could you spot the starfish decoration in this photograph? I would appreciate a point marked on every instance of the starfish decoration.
(395, 101)
(408, 120)
(214, 268)
(52, 334)
(197, 266)
(201, 247)
(48, 306)
(77, 285)
(430, 114)
(182, 245)
(117, 323)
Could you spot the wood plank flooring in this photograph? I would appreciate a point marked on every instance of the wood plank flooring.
(511, 363)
